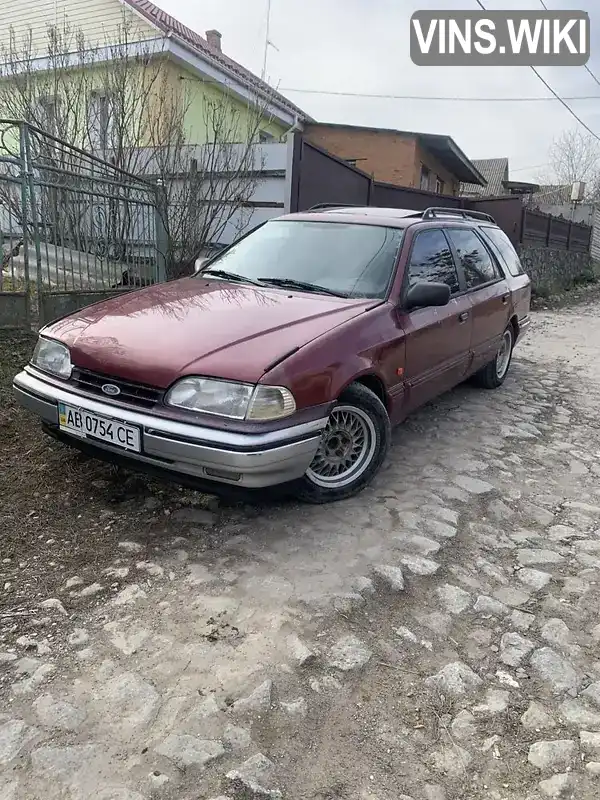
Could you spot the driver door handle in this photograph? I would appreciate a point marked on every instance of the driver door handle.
(463, 317)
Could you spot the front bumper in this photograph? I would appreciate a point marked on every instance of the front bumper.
(252, 460)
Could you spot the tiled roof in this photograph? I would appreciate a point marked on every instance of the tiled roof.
(495, 171)
(169, 25)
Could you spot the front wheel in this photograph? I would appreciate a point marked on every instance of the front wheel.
(352, 449)
(494, 374)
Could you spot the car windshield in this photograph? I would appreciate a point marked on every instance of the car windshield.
(350, 260)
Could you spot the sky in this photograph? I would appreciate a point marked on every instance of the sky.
(363, 46)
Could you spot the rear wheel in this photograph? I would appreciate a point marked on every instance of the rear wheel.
(352, 449)
(494, 374)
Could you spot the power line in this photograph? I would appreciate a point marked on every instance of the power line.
(585, 66)
(524, 169)
(429, 97)
(566, 105)
(556, 95)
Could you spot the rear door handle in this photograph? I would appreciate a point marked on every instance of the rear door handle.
(463, 317)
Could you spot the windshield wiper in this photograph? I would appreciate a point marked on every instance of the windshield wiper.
(229, 276)
(302, 285)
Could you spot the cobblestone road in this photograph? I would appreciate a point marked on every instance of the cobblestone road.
(435, 638)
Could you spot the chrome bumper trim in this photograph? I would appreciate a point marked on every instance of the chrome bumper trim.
(251, 460)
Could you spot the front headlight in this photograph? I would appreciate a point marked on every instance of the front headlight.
(233, 400)
(52, 357)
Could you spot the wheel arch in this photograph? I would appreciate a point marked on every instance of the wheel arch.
(372, 381)
(514, 322)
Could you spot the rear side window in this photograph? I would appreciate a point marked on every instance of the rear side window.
(477, 263)
(431, 260)
(504, 249)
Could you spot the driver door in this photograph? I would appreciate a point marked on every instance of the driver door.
(438, 339)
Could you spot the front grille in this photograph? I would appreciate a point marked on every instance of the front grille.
(136, 394)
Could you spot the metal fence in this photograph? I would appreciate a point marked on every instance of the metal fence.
(321, 177)
(73, 229)
(554, 232)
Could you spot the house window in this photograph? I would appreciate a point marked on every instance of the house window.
(439, 186)
(351, 161)
(48, 114)
(100, 121)
(425, 177)
(264, 137)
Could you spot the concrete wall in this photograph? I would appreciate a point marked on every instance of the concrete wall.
(553, 271)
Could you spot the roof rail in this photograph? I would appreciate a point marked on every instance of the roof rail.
(435, 211)
(321, 206)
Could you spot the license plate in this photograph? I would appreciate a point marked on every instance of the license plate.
(87, 425)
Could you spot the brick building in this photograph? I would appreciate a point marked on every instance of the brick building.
(418, 160)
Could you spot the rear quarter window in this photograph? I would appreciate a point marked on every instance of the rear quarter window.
(504, 250)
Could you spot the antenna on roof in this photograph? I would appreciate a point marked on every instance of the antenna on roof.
(268, 42)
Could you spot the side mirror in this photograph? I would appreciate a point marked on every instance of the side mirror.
(425, 294)
(199, 264)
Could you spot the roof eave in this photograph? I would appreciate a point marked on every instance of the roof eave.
(469, 173)
(182, 50)
(171, 35)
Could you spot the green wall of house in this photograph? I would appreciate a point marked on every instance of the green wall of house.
(201, 96)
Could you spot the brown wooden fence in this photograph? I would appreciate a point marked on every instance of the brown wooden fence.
(321, 177)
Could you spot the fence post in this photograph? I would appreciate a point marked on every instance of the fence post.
(370, 190)
(523, 224)
(30, 195)
(160, 232)
(293, 172)
(548, 230)
(24, 231)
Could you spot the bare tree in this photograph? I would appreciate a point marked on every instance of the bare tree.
(208, 187)
(575, 156)
(126, 105)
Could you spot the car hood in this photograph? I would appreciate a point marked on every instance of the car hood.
(196, 326)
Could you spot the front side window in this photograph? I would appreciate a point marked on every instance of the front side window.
(431, 260)
(475, 260)
(504, 249)
(348, 259)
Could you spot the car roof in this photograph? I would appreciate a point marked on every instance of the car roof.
(391, 217)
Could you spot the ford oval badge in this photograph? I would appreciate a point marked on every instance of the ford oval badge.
(111, 389)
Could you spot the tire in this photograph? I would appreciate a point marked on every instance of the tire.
(494, 374)
(359, 416)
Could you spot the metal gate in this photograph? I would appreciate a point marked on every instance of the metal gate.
(74, 229)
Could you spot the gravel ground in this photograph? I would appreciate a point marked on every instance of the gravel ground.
(61, 513)
(435, 638)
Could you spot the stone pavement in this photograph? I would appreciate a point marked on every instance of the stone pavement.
(436, 637)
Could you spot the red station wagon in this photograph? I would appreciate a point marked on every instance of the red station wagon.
(288, 357)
